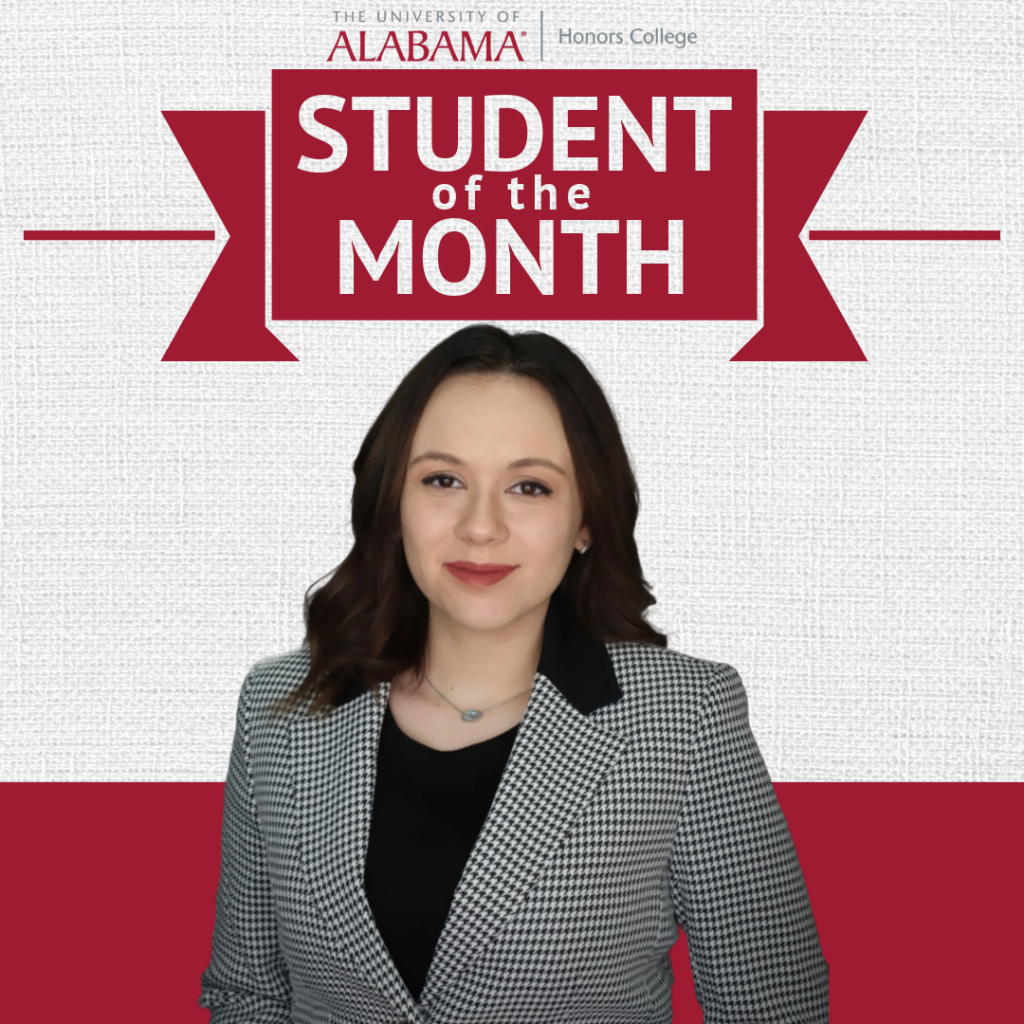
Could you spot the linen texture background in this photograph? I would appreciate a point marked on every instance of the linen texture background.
(847, 535)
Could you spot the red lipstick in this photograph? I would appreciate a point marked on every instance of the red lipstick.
(479, 574)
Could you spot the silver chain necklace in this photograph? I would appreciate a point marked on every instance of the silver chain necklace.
(471, 716)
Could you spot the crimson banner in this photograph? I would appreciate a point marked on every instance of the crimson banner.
(566, 195)
(549, 194)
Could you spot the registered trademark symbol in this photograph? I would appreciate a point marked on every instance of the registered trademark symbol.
(523, 33)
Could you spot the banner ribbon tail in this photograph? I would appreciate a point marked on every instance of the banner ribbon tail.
(227, 319)
(802, 149)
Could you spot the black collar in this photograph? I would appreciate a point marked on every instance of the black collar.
(577, 663)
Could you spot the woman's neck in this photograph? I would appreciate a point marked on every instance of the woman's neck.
(478, 669)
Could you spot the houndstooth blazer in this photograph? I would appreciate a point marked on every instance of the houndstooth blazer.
(634, 801)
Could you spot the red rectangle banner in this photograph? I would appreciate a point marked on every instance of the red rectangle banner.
(526, 193)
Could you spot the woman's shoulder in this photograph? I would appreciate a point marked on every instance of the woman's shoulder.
(273, 677)
(668, 675)
(649, 659)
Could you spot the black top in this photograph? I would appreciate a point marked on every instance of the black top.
(428, 808)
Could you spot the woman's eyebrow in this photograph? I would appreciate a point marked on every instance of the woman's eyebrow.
(514, 464)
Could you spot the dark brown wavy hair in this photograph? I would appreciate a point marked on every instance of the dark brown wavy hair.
(368, 623)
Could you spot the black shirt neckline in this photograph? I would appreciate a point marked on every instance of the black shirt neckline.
(392, 726)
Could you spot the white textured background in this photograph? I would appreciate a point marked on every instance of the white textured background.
(848, 535)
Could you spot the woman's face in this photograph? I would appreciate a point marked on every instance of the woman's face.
(464, 500)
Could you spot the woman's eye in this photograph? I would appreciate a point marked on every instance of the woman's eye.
(536, 489)
(439, 476)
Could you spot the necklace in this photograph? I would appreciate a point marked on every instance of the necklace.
(471, 716)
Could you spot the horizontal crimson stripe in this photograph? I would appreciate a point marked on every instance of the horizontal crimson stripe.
(905, 236)
(120, 236)
(916, 889)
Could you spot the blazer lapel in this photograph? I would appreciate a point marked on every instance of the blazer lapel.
(335, 773)
(558, 759)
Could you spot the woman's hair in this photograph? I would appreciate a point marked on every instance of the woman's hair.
(369, 621)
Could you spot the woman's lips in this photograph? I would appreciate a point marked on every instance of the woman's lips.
(474, 577)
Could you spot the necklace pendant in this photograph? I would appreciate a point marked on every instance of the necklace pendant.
(472, 716)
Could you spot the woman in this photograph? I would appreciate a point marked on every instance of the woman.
(484, 790)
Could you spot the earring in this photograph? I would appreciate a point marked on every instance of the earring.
(586, 544)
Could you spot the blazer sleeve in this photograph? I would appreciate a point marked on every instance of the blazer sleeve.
(736, 882)
(246, 981)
